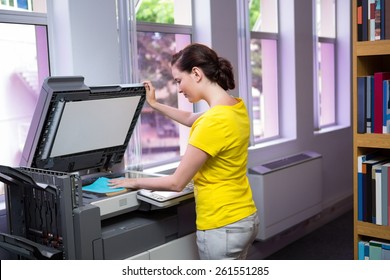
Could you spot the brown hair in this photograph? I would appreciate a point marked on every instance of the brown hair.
(217, 69)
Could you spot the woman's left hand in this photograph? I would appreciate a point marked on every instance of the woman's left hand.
(128, 183)
(150, 93)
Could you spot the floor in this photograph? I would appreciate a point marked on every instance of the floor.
(333, 241)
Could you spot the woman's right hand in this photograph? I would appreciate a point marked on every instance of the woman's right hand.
(150, 93)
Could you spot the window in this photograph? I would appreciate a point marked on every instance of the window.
(160, 136)
(324, 68)
(163, 28)
(164, 11)
(263, 20)
(24, 66)
(24, 5)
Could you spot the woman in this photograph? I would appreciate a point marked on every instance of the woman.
(216, 157)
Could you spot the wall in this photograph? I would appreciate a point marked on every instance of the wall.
(215, 24)
(84, 41)
(296, 104)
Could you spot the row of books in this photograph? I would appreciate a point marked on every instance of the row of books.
(374, 188)
(373, 103)
(372, 23)
(373, 250)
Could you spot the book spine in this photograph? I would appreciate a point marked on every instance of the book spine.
(379, 77)
(361, 250)
(359, 19)
(383, 19)
(360, 180)
(371, 20)
(385, 251)
(377, 211)
(369, 104)
(384, 187)
(386, 105)
(386, 20)
(361, 102)
(375, 250)
(388, 201)
(373, 188)
(367, 193)
(364, 20)
(378, 20)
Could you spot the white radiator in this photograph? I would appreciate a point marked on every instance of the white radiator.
(286, 191)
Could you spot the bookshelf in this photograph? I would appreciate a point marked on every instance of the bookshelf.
(368, 57)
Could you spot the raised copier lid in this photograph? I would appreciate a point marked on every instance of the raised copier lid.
(76, 127)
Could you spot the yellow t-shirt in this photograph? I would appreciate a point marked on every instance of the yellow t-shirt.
(222, 191)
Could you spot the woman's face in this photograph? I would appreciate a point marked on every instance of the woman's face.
(186, 84)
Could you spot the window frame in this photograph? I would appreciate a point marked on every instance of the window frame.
(128, 30)
(164, 28)
(167, 29)
(244, 67)
(318, 127)
(23, 17)
(260, 35)
(20, 17)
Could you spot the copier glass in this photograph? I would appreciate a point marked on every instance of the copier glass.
(77, 138)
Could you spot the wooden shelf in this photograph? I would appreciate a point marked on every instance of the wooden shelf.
(372, 230)
(372, 140)
(368, 48)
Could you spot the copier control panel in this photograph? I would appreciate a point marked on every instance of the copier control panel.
(166, 198)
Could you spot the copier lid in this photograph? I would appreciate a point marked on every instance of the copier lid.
(76, 127)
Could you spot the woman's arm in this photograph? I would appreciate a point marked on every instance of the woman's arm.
(183, 117)
(192, 161)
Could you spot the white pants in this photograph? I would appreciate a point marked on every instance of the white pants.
(228, 242)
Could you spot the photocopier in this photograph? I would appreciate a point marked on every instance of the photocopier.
(78, 136)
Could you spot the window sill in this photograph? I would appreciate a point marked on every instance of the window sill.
(167, 169)
(331, 129)
(270, 143)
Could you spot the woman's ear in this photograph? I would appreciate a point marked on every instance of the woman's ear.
(197, 73)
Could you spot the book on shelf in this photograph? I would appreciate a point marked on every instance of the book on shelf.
(359, 20)
(367, 188)
(361, 179)
(372, 19)
(362, 19)
(379, 77)
(386, 23)
(363, 250)
(379, 201)
(365, 104)
(373, 187)
(385, 251)
(379, 250)
(376, 189)
(360, 186)
(386, 201)
(376, 184)
(370, 103)
(377, 19)
(384, 194)
(373, 250)
(373, 103)
(361, 105)
(386, 107)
